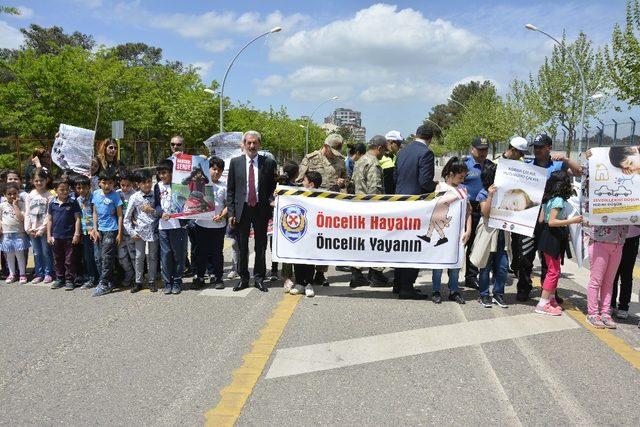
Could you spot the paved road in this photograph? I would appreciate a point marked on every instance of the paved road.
(344, 357)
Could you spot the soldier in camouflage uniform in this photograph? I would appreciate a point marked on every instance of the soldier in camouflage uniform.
(329, 162)
(367, 178)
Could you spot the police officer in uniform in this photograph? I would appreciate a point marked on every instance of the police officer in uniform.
(367, 178)
(330, 163)
(475, 164)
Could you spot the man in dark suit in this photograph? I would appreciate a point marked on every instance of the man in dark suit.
(250, 186)
(414, 175)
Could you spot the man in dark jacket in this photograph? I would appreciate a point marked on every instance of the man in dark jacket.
(414, 174)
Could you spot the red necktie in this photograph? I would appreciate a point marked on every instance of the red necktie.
(252, 200)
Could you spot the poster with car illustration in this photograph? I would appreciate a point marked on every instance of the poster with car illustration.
(191, 188)
(516, 204)
(614, 185)
(73, 149)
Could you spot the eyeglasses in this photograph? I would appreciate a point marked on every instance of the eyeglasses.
(176, 145)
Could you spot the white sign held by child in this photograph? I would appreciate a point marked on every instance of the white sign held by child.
(73, 149)
(516, 204)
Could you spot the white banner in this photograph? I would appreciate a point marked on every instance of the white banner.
(73, 149)
(324, 228)
(516, 204)
(614, 185)
(225, 145)
(191, 188)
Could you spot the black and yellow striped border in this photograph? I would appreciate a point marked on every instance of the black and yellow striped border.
(288, 191)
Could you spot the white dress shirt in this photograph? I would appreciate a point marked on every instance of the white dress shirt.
(255, 174)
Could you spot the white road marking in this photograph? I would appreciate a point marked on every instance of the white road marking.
(338, 354)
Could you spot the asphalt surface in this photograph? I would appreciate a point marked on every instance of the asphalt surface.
(150, 359)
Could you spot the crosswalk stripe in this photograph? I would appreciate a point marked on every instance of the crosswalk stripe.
(357, 351)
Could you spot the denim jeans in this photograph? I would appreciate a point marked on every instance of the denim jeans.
(498, 264)
(89, 258)
(108, 252)
(42, 257)
(436, 279)
(127, 257)
(173, 252)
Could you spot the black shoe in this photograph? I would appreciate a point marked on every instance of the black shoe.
(413, 295)
(259, 284)
(219, 284)
(358, 280)
(197, 283)
(377, 279)
(343, 268)
(320, 280)
(436, 298)
(425, 238)
(471, 285)
(456, 297)
(396, 288)
(273, 275)
(559, 299)
(486, 301)
(499, 299)
(137, 287)
(69, 285)
(522, 296)
(441, 242)
(153, 287)
(240, 286)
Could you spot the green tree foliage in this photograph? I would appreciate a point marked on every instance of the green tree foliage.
(558, 88)
(9, 10)
(623, 60)
(57, 78)
(445, 114)
(486, 115)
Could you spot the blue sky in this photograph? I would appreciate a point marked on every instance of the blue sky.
(392, 61)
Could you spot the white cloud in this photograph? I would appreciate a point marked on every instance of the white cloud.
(89, 4)
(203, 68)
(10, 37)
(380, 35)
(25, 12)
(216, 46)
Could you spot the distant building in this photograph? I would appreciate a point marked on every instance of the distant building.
(348, 118)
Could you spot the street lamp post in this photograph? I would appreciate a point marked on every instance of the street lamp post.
(273, 30)
(459, 103)
(575, 63)
(436, 125)
(306, 148)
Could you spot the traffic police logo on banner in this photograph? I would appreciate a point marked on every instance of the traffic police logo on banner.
(293, 222)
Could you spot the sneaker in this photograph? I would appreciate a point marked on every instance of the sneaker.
(436, 298)
(88, 285)
(308, 291)
(549, 310)
(37, 280)
(273, 276)
(176, 289)
(554, 303)
(358, 280)
(456, 297)
(48, 279)
(153, 287)
(319, 279)
(499, 299)
(288, 285)
(167, 290)
(232, 275)
(69, 285)
(594, 320)
(377, 279)
(486, 301)
(102, 290)
(57, 284)
(198, 283)
(137, 287)
(622, 314)
(297, 289)
(608, 321)
(23, 280)
(343, 268)
(10, 279)
(218, 284)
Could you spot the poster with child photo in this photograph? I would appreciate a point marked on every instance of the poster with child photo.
(191, 189)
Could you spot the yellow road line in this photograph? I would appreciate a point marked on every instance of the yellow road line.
(612, 341)
(234, 396)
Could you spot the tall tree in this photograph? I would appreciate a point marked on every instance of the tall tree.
(138, 54)
(9, 10)
(558, 87)
(51, 40)
(623, 60)
(445, 114)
